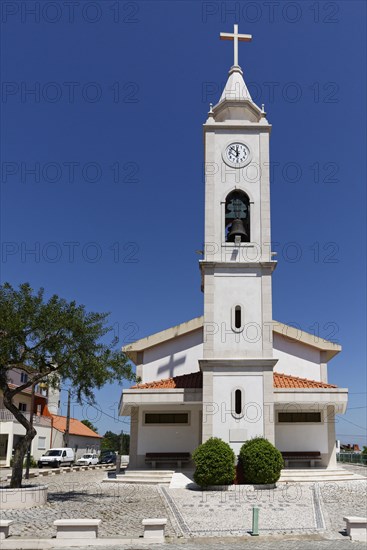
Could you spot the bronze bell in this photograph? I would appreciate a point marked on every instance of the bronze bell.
(237, 229)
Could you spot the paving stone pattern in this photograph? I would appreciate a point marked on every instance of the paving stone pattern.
(82, 495)
(286, 509)
(293, 509)
(252, 544)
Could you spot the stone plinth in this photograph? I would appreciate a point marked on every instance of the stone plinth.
(4, 528)
(77, 528)
(356, 528)
(154, 529)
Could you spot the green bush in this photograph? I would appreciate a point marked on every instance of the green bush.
(261, 461)
(214, 462)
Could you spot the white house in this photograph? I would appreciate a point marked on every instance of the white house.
(11, 430)
(50, 426)
(81, 438)
(234, 373)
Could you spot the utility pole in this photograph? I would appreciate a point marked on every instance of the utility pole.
(28, 459)
(67, 429)
(121, 442)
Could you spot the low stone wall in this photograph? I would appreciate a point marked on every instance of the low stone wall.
(26, 497)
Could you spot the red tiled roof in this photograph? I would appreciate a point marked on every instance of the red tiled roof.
(76, 427)
(192, 380)
(195, 380)
(286, 381)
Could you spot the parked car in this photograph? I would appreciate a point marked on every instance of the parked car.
(57, 457)
(108, 458)
(87, 460)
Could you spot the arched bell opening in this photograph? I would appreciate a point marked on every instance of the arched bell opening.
(237, 217)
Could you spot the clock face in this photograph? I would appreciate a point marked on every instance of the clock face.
(237, 153)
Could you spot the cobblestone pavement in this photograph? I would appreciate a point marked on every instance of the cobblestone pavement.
(348, 498)
(286, 509)
(355, 468)
(82, 495)
(251, 544)
(296, 509)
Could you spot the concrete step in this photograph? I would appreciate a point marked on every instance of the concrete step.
(145, 477)
(145, 480)
(148, 473)
(314, 475)
(140, 480)
(315, 472)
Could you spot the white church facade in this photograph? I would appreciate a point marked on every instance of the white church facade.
(234, 373)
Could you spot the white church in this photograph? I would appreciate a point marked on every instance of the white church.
(234, 373)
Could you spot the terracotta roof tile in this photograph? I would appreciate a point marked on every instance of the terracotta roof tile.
(195, 380)
(192, 380)
(287, 381)
(76, 427)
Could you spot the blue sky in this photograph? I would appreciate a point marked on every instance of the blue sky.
(102, 164)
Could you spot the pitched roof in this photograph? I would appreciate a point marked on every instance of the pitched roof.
(287, 381)
(192, 380)
(195, 380)
(290, 333)
(76, 427)
(235, 88)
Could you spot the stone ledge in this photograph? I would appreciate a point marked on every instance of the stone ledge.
(4, 528)
(356, 528)
(15, 543)
(77, 528)
(154, 528)
(162, 521)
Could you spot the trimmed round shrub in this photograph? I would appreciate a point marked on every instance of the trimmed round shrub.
(215, 463)
(261, 461)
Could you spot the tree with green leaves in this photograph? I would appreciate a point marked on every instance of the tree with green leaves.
(116, 442)
(53, 340)
(89, 425)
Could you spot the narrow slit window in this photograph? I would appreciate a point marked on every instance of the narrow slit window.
(238, 402)
(237, 317)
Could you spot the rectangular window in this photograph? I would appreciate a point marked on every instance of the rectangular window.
(23, 377)
(166, 418)
(22, 407)
(299, 417)
(41, 443)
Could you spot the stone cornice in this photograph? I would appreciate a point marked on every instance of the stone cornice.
(236, 125)
(238, 265)
(255, 362)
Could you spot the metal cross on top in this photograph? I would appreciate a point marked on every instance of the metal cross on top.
(235, 37)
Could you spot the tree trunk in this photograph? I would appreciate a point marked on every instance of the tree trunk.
(22, 445)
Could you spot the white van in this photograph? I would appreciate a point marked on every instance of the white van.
(57, 457)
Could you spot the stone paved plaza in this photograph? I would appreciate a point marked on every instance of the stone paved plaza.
(250, 544)
(83, 495)
(308, 509)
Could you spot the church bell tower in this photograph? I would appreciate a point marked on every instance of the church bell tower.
(237, 266)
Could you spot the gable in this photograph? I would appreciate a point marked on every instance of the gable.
(76, 427)
(194, 380)
(177, 350)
